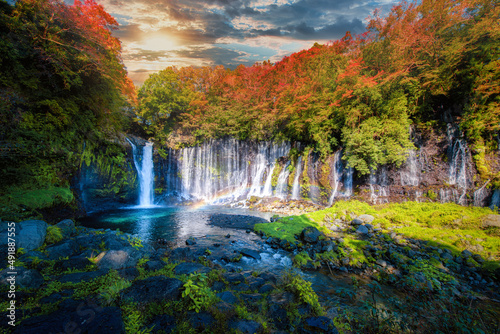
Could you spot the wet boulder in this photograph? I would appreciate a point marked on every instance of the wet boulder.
(491, 220)
(234, 278)
(67, 227)
(318, 325)
(83, 276)
(180, 254)
(154, 265)
(129, 273)
(250, 253)
(25, 278)
(362, 229)
(228, 297)
(366, 218)
(75, 316)
(187, 268)
(310, 235)
(279, 317)
(201, 321)
(30, 234)
(68, 247)
(164, 322)
(153, 289)
(75, 263)
(245, 326)
(118, 259)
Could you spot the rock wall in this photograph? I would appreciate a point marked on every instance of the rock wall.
(440, 169)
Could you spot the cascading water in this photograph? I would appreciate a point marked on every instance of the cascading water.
(495, 200)
(145, 172)
(378, 182)
(348, 176)
(282, 185)
(225, 170)
(458, 153)
(410, 174)
(296, 184)
(313, 173)
(337, 173)
(480, 195)
(268, 186)
(258, 171)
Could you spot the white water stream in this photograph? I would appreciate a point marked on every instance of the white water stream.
(144, 166)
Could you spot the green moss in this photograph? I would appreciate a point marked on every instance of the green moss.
(329, 256)
(286, 228)
(276, 172)
(441, 225)
(291, 177)
(301, 259)
(431, 194)
(355, 248)
(18, 203)
(431, 271)
(54, 235)
(324, 177)
(303, 290)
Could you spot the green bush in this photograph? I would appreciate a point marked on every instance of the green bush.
(197, 293)
(54, 235)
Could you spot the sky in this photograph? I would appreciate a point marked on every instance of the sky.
(156, 34)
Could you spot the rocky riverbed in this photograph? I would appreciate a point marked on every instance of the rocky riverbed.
(99, 281)
(76, 278)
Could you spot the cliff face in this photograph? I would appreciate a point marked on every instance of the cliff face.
(107, 180)
(440, 169)
(222, 171)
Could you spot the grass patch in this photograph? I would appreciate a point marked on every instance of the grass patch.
(356, 247)
(448, 225)
(17, 204)
(54, 235)
(39, 198)
(286, 228)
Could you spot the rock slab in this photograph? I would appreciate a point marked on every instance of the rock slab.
(31, 234)
(153, 289)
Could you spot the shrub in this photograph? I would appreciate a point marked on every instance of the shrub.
(54, 235)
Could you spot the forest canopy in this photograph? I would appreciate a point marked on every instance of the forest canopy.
(63, 87)
(361, 93)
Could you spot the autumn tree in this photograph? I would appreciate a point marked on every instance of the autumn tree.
(62, 83)
(363, 92)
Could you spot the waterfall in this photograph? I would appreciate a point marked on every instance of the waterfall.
(449, 195)
(348, 175)
(296, 184)
(480, 195)
(337, 173)
(372, 181)
(495, 200)
(145, 172)
(258, 171)
(268, 187)
(410, 174)
(313, 169)
(458, 153)
(418, 194)
(378, 182)
(458, 164)
(225, 170)
(282, 186)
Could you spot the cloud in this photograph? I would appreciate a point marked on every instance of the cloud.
(225, 32)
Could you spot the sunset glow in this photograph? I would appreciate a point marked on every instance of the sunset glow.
(200, 33)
